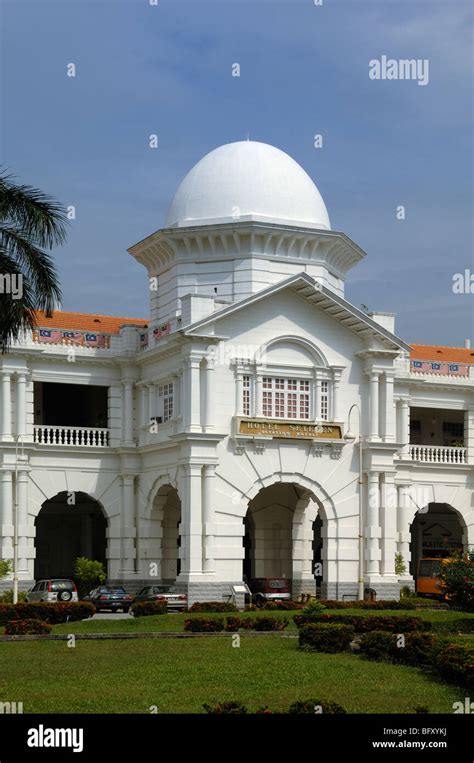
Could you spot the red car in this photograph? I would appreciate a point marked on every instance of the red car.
(269, 589)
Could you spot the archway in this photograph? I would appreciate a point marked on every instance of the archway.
(283, 535)
(67, 526)
(436, 532)
(166, 518)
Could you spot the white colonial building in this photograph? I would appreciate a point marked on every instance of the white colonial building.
(210, 442)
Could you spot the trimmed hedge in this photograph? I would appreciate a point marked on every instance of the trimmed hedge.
(455, 662)
(27, 627)
(316, 706)
(382, 646)
(365, 624)
(234, 624)
(322, 637)
(269, 623)
(282, 605)
(372, 605)
(204, 624)
(47, 611)
(147, 608)
(212, 606)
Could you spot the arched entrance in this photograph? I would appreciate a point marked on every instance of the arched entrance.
(67, 526)
(436, 532)
(283, 535)
(165, 520)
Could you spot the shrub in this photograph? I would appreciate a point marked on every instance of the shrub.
(269, 623)
(313, 607)
(7, 596)
(204, 624)
(406, 592)
(147, 608)
(457, 580)
(378, 645)
(250, 608)
(455, 662)
(49, 612)
(6, 568)
(417, 649)
(365, 624)
(27, 626)
(226, 708)
(326, 638)
(372, 605)
(421, 709)
(282, 604)
(213, 606)
(89, 573)
(400, 566)
(316, 706)
(236, 623)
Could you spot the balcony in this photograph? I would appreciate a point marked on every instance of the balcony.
(438, 454)
(87, 437)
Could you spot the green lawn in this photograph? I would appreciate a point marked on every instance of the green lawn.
(441, 621)
(179, 675)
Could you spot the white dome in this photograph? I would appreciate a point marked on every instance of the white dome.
(248, 180)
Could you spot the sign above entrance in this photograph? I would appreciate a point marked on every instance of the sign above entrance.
(290, 430)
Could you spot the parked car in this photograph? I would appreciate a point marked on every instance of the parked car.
(269, 589)
(110, 597)
(174, 601)
(54, 589)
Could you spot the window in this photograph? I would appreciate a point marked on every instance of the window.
(324, 403)
(165, 392)
(246, 396)
(285, 398)
(453, 428)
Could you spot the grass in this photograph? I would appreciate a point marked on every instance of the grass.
(178, 676)
(441, 621)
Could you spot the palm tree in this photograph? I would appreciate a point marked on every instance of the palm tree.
(30, 223)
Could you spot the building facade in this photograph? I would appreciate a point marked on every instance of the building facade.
(210, 443)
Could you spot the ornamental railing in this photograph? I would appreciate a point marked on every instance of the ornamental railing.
(438, 454)
(85, 437)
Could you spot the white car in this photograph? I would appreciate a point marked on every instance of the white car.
(53, 590)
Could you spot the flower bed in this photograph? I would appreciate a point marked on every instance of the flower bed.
(365, 624)
(48, 612)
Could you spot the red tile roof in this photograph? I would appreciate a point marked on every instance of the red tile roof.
(107, 324)
(440, 353)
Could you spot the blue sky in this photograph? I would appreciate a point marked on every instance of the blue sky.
(166, 69)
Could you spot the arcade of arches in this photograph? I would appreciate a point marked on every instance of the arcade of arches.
(436, 532)
(67, 526)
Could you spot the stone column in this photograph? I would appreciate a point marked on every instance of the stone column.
(23, 529)
(259, 396)
(302, 553)
(317, 399)
(374, 406)
(21, 404)
(469, 434)
(6, 515)
(335, 413)
(6, 406)
(191, 522)
(239, 392)
(193, 394)
(388, 521)
(405, 431)
(128, 524)
(403, 526)
(144, 407)
(209, 402)
(128, 412)
(177, 412)
(151, 402)
(372, 530)
(389, 409)
(208, 511)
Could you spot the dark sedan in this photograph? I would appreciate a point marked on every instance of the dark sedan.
(111, 598)
(174, 601)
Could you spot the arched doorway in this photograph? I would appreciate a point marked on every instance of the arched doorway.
(67, 526)
(165, 519)
(436, 532)
(283, 535)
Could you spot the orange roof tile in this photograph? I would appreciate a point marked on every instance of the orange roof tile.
(107, 324)
(440, 353)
